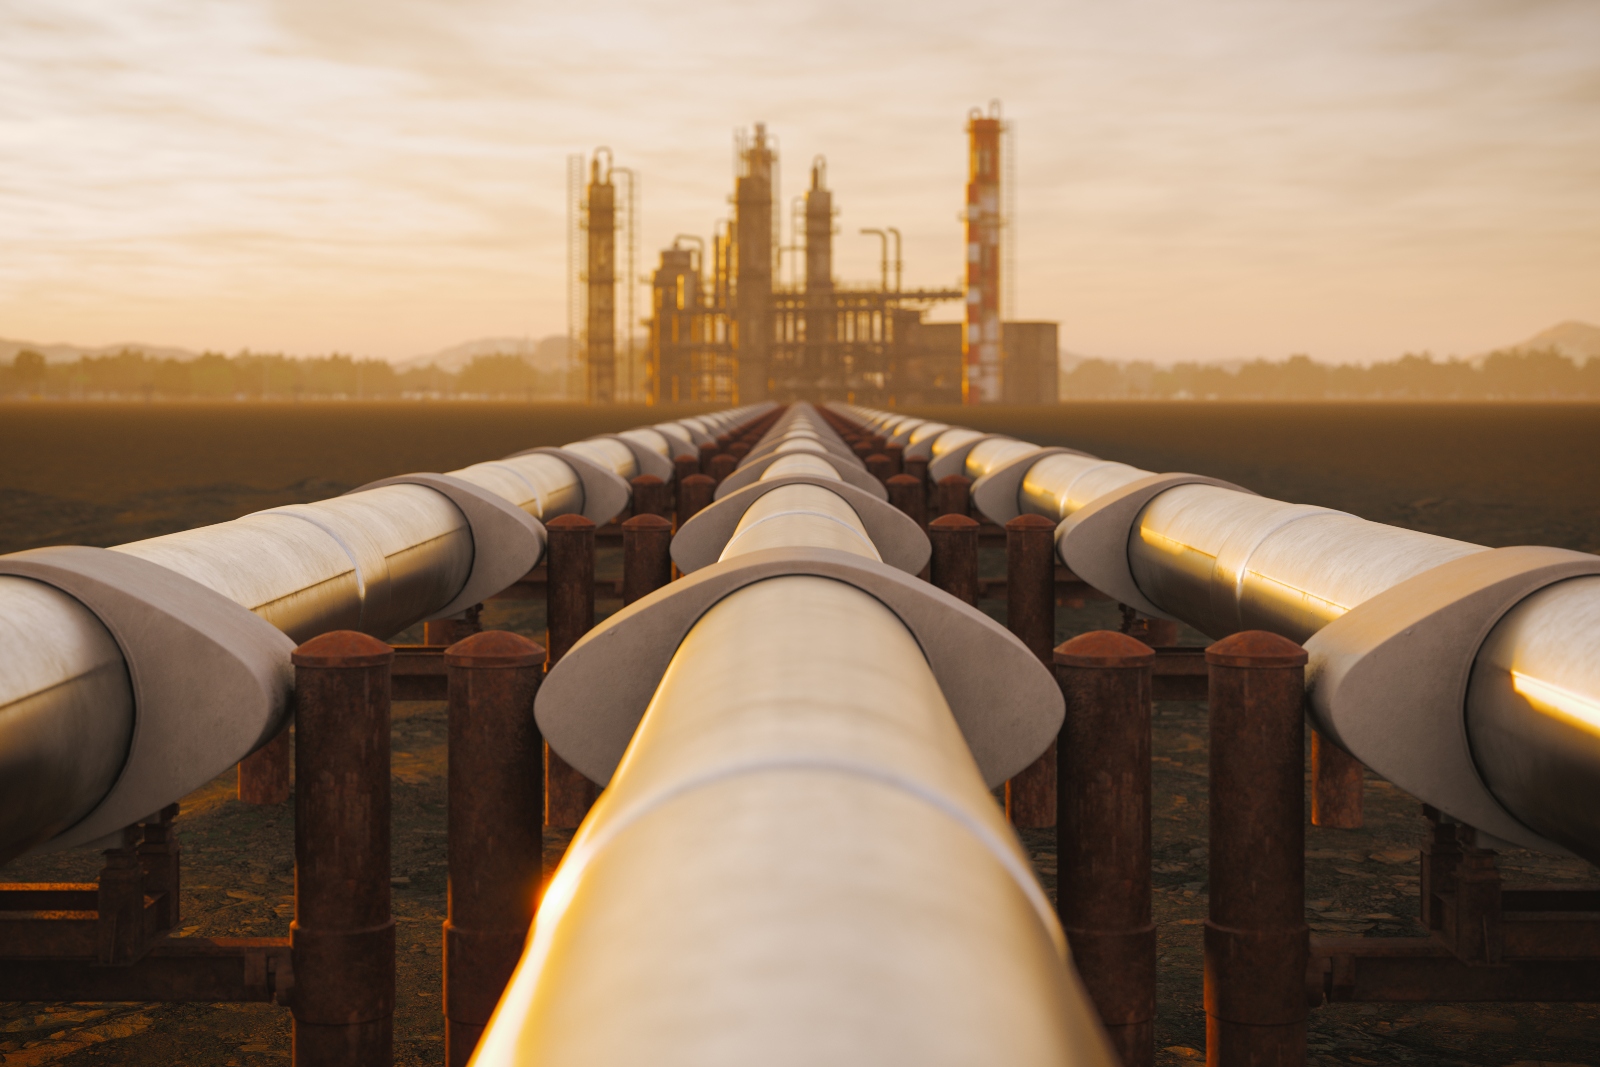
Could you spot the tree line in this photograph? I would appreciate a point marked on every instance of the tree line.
(1543, 374)
(252, 376)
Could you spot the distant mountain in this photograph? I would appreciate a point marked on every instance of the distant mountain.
(1578, 341)
(546, 353)
(69, 353)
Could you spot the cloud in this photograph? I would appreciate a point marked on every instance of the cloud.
(389, 177)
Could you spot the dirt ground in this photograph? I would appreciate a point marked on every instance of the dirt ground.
(102, 474)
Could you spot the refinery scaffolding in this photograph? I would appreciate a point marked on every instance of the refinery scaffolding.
(727, 326)
(602, 205)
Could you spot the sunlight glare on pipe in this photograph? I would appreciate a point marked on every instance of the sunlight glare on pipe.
(1579, 710)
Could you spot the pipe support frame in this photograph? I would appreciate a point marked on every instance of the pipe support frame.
(1093, 541)
(507, 542)
(1005, 701)
(851, 473)
(191, 653)
(605, 493)
(1390, 678)
(955, 460)
(996, 494)
(897, 537)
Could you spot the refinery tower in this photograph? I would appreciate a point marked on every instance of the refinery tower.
(728, 323)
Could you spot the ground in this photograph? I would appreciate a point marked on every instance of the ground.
(102, 474)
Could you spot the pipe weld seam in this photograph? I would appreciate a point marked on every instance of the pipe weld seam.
(538, 498)
(1261, 539)
(350, 553)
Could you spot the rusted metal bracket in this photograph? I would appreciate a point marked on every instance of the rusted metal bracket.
(111, 939)
(1487, 940)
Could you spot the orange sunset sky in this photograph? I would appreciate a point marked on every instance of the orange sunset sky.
(1197, 179)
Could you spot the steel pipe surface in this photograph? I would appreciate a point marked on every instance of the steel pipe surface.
(374, 561)
(1226, 561)
(66, 712)
(1533, 713)
(828, 880)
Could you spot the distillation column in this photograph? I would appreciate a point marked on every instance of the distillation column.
(820, 352)
(600, 355)
(752, 294)
(980, 343)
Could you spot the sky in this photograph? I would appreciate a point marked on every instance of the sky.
(1196, 179)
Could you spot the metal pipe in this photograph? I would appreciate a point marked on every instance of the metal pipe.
(375, 561)
(1223, 561)
(828, 878)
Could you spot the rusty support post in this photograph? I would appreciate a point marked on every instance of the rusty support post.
(119, 934)
(1103, 832)
(264, 774)
(697, 491)
(342, 937)
(1336, 784)
(496, 828)
(953, 494)
(646, 556)
(569, 614)
(863, 449)
(953, 564)
(159, 855)
(905, 493)
(897, 458)
(953, 559)
(738, 450)
(1256, 940)
(682, 467)
(917, 467)
(649, 495)
(879, 467)
(722, 466)
(446, 632)
(1031, 615)
(708, 452)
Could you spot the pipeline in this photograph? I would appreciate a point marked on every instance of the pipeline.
(377, 560)
(1468, 676)
(797, 858)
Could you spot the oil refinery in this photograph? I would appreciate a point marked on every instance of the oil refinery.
(723, 327)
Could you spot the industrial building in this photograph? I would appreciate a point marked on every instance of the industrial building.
(723, 327)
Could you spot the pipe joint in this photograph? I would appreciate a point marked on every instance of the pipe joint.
(507, 542)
